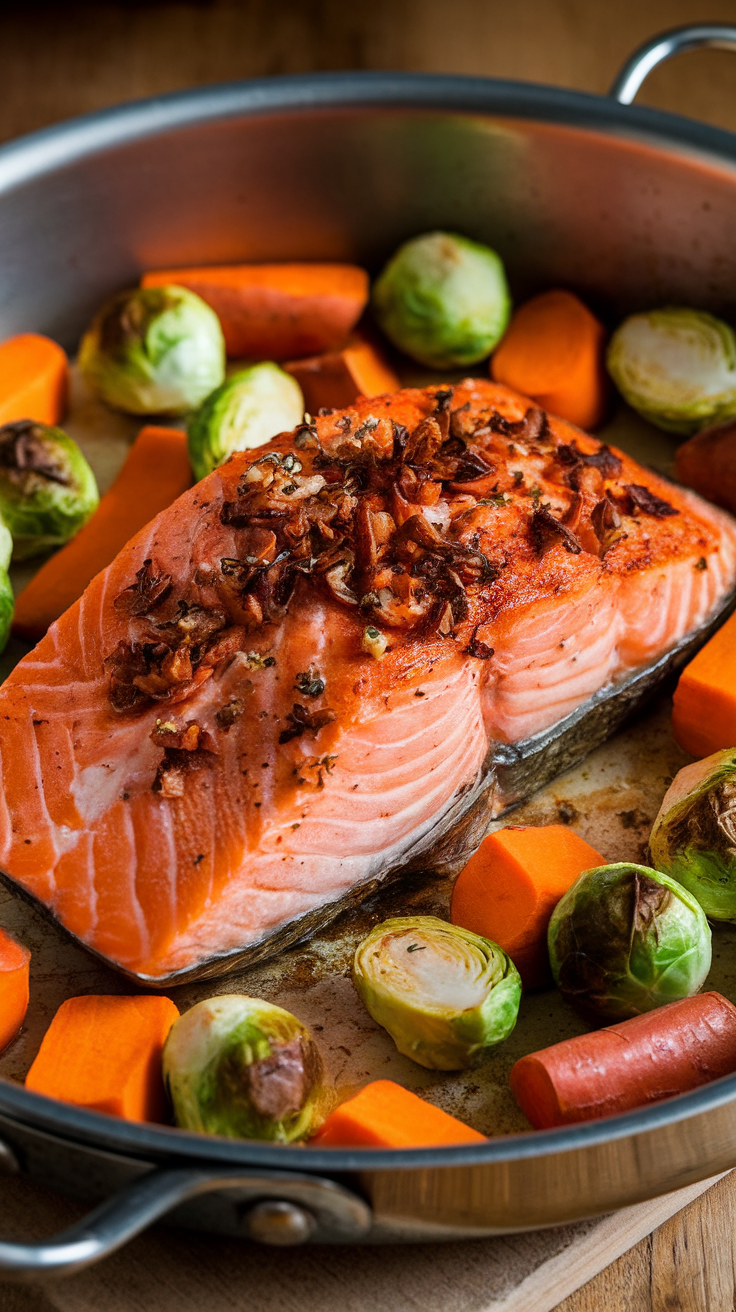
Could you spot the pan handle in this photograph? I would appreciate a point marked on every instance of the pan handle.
(273, 1207)
(719, 36)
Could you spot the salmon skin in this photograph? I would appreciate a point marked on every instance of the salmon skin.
(298, 680)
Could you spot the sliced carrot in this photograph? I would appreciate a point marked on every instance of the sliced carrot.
(34, 379)
(553, 352)
(383, 1115)
(512, 884)
(642, 1060)
(15, 962)
(704, 703)
(155, 473)
(104, 1053)
(333, 381)
(276, 311)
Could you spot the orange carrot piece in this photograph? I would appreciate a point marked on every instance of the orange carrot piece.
(383, 1115)
(155, 473)
(34, 379)
(335, 380)
(104, 1053)
(704, 704)
(553, 352)
(512, 884)
(707, 463)
(639, 1061)
(15, 962)
(277, 311)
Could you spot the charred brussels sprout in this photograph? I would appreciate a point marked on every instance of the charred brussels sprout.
(446, 996)
(47, 489)
(154, 351)
(443, 299)
(247, 410)
(694, 835)
(242, 1068)
(676, 367)
(625, 939)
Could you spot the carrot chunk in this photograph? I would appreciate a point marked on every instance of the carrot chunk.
(553, 352)
(512, 884)
(15, 962)
(34, 379)
(383, 1115)
(155, 473)
(276, 311)
(104, 1053)
(704, 703)
(642, 1060)
(334, 380)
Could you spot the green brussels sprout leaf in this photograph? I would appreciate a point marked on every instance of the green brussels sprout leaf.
(250, 408)
(446, 996)
(243, 1068)
(676, 367)
(626, 939)
(154, 351)
(443, 300)
(694, 834)
(47, 489)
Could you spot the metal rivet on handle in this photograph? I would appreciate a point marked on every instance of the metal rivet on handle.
(280, 1223)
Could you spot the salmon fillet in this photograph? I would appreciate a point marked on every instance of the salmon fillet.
(289, 685)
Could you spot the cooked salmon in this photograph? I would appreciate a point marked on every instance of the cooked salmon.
(290, 684)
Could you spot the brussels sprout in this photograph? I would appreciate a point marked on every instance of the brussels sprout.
(247, 410)
(7, 601)
(154, 351)
(446, 996)
(625, 939)
(47, 489)
(443, 299)
(676, 367)
(694, 835)
(242, 1068)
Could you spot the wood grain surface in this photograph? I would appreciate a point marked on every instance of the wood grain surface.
(58, 60)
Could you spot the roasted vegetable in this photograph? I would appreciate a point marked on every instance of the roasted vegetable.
(385, 1115)
(247, 410)
(446, 996)
(104, 1053)
(677, 367)
(134, 498)
(443, 299)
(34, 379)
(640, 1061)
(15, 962)
(626, 939)
(154, 351)
(512, 884)
(243, 1068)
(553, 352)
(694, 835)
(276, 311)
(707, 463)
(47, 489)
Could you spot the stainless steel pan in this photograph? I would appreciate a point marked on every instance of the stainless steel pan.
(629, 206)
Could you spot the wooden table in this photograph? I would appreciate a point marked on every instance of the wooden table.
(56, 61)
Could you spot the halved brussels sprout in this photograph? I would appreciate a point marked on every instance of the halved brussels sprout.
(626, 939)
(677, 367)
(7, 601)
(242, 1068)
(445, 995)
(154, 351)
(247, 410)
(694, 834)
(443, 300)
(47, 489)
